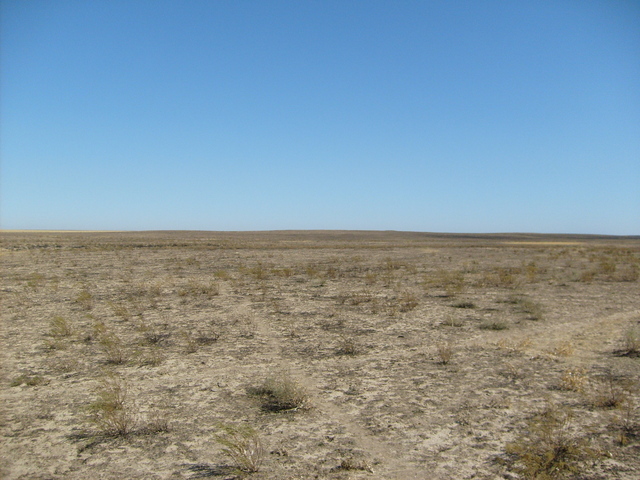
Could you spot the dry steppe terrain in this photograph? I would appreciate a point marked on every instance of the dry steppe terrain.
(329, 355)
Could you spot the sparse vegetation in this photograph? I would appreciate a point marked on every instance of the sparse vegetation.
(344, 351)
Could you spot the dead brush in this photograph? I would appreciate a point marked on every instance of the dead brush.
(114, 348)
(407, 301)
(281, 394)
(354, 464)
(193, 341)
(574, 379)
(626, 423)
(157, 422)
(514, 346)
(242, 445)
(610, 391)
(348, 346)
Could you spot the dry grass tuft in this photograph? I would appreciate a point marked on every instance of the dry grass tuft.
(494, 325)
(242, 445)
(563, 349)
(60, 327)
(574, 379)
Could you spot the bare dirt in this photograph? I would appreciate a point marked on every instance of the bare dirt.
(423, 356)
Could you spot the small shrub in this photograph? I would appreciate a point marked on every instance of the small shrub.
(464, 304)
(242, 444)
(60, 327)
(524, 305)
(407, 302)
(531, 270)
(631, 342)
(444, 353)
(628, 427)
(157, 423)
(587, 276)
(500, 277)
(29, 380)
(532, 309)
(120, 310)
(563, 349)
(547, 450)
(113, 412)
(194, 341)
(222, 275)
(85, 299)
(281, 394)
(513, 346)
(351, 464)
(113, 348)
(452, 321)
(628, 273)
(151, 357)
(451, 281)
(52, 344)
(197, 289)
(609, 392)
(494, 325)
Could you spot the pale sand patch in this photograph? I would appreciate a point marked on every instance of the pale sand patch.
(541, 243)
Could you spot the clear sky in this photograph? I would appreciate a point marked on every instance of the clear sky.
(442, 116)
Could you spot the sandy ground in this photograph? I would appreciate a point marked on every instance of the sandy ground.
(420, 356)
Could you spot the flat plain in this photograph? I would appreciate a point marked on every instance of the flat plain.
(319, 354)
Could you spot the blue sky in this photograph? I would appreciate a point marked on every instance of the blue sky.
(444, 116)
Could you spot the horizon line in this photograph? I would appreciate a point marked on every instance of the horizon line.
(38, 230)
